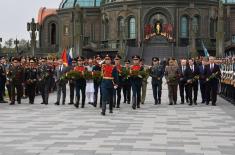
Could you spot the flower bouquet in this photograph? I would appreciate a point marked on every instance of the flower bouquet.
(75, 75)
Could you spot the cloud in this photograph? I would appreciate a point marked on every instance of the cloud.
(14, 15)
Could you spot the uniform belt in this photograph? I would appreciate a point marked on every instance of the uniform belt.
(108, 78)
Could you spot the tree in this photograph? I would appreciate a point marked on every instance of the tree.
(9, 43)
(23, 43)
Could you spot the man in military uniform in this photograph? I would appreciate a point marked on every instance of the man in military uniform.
(117, 92)
(80, 83)
(136, 81)
(16, 78)
(97, 82)
(127, 82)
(108, 84)
(144, 81)
(31, 77)
(45, 77)
(157, 73)
(61, 81)
(172, 74)
(2, 80)
(72, 83)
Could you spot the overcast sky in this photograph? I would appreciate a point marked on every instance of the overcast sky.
(14, 14)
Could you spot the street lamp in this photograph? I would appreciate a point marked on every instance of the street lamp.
(0, 44)
(16, 42)
(32, 28)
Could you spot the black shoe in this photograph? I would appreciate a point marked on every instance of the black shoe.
(202, 102)
(138, 106)
(170, 103)
(190, 104)
(46, 103)
(124, 101)
(71, 103)
(195, 102)
(133, 107)
(83, 106)
(2, 101)
(156, 102)
(57, 103)
(182, 103)
(207, 103)
(76, 106)
(159, 101)
(128, 102)
(63, 103)
(175, 103)
(111, 112)
(102, 113)
(12, 103)
(42, 103)
(187, 101)
(213, 104)
(118, 107)
(19, 102)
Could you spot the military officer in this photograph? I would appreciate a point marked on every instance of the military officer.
(45, 74)
(16, 78)
(2, 80)
(172, 74)
(136, 81)
(117, 91)
(126, 82)
(108, 84)
(97, 82)
(157, 73)
(31, 77)
(80, 83)
(144, 81)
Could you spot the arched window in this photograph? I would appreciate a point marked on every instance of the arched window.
(120, 26)
(196, 25)
(53, 34)
(184, 26)
(132, 28)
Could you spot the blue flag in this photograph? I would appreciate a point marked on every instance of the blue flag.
(206, 54)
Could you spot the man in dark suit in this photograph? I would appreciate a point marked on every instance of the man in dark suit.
(2, 80)
(212, 74)
(61, 81)
(202, 79)
(182, 79)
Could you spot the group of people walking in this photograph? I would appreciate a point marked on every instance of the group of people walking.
(31, 76)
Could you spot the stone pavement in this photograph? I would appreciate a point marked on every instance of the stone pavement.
(152, 130)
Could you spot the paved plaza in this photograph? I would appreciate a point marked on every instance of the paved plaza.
(152, 130)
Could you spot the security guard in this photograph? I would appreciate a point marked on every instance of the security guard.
(80, 83)
(126, 82)
(108, 84)
(157, 73)
(45, 74)
(16, 78)
(136, 81)
(31, 80)
(2, 80)
(117, 92)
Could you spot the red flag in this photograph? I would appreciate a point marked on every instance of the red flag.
(64, 57)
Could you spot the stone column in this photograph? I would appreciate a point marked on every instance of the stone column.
(220, 32)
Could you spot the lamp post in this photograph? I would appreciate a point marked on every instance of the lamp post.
(0, 44)
(16, 42)
(32, 28)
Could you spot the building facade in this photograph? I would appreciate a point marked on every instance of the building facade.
(162, 28)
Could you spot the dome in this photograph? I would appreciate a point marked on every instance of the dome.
(65, 4)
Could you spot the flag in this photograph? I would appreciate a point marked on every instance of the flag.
(64, 57)
(206, 54)
(70, 56)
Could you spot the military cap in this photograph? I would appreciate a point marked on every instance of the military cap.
(155, 59)
(15, 59)
(127, 61)
(80, 58)
(74, 60)
(118, 57)
(97, 57)
(32, 60)
(136, 57)
(107, 56)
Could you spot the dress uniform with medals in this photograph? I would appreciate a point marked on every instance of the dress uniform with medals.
(2, 81)
(136, 82)
(16, 78)
(31, 78)
(80, 83)
(45, 74)
(108, 84)
(117, 92)
(72, 83)
(97, 82)
(126, 82)
(157, 73)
